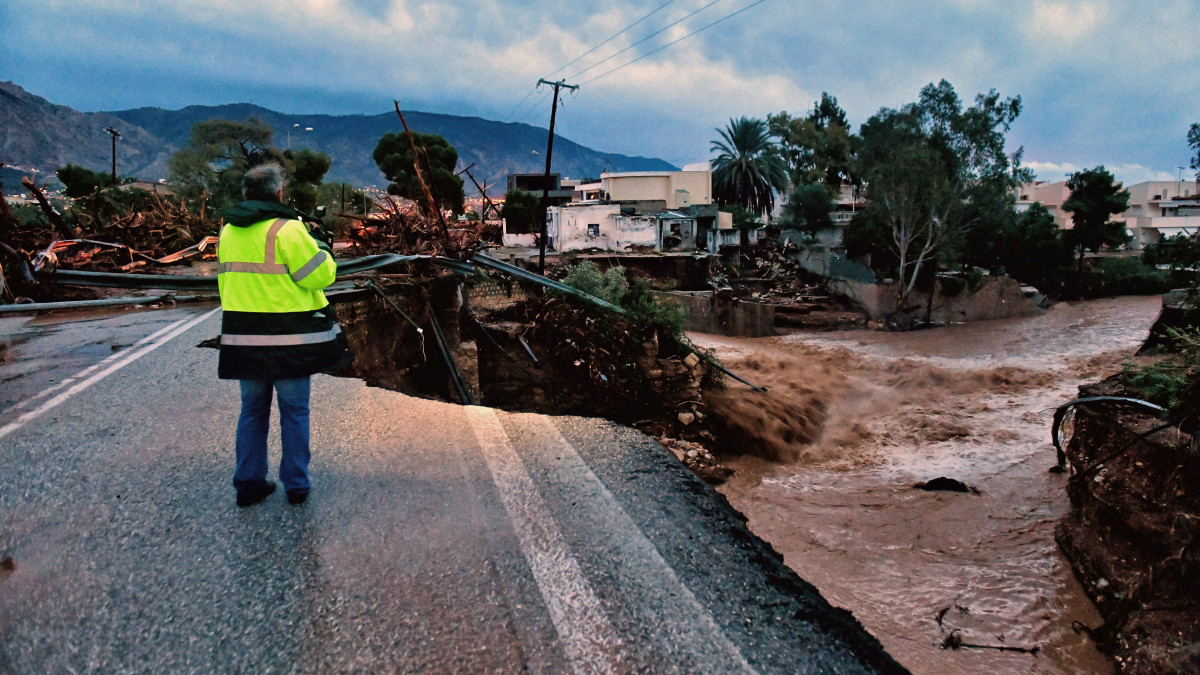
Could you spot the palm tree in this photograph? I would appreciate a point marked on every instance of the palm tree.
(748, 166)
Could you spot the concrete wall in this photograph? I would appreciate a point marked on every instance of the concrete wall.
(999, 298)
(676, 189)
(721, 314)
(569, 228)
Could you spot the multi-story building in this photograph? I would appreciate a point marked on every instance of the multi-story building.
(1160, 209)
(663, 210)
(1157, 209)
(1050, 195)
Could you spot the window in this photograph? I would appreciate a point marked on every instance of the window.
(593, 230)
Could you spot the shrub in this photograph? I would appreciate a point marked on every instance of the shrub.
(1116, 276)
(609, 286)
(1173, 382)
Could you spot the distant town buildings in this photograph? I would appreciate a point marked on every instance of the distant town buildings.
(1157, 209)
(675, 211)
(623, 211)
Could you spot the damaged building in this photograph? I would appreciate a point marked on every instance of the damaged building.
(639, 210)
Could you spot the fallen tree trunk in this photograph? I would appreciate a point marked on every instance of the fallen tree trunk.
(52, 214)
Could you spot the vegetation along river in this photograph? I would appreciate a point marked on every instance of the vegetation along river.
(853, 420)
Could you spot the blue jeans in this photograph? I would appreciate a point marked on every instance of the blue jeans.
(252, 433)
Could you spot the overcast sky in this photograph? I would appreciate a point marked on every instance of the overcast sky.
(1111, 82)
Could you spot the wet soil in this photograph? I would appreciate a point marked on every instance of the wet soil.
(1132, 533)
(828, 462)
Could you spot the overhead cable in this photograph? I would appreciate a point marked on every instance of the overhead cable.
(699, 30)
(564, 66)
(664, 28)
(612, 37)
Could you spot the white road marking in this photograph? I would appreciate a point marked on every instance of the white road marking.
(589, 639)
(634, 557)
(105, 368)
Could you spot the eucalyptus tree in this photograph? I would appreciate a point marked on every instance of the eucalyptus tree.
(934, 170)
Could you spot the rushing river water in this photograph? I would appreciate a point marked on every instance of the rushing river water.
(869, 415)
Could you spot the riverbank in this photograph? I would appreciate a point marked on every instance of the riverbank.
(1131, 534)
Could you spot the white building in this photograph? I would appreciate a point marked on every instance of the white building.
(612, 227)
(1160, 209)
(1157, 209)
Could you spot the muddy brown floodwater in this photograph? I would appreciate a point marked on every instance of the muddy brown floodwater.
(871, 414)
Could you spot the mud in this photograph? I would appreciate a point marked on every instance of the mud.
(1132, 535)
(874, 414)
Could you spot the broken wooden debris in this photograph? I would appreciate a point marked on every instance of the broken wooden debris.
(954, 641)
(52, 214)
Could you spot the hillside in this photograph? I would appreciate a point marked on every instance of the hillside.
(37, 133)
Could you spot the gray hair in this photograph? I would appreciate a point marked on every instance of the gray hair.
(263, 183)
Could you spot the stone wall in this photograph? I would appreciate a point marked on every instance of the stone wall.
(722, 314)
(998, 298)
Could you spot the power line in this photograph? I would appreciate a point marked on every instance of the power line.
(518, 105)
(564, 66)
(699, 30)
(532, 109)
(668, 26)
(613, 36)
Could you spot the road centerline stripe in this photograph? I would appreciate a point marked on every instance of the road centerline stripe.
(149, 344)
(591, 643)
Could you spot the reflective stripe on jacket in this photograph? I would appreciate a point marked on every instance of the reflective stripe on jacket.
(276, 323)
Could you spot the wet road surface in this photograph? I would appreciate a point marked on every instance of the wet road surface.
(437, 538)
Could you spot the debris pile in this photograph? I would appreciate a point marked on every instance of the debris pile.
(801, 298)
(400, 227)
(113, 236)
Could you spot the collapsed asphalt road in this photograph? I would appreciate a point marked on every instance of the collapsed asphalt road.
(437, 538)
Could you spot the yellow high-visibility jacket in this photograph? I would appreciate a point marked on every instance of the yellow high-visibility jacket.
(276, 323)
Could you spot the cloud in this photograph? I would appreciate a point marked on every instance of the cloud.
(1099, 78)
(1129, 174)
(1064, 22)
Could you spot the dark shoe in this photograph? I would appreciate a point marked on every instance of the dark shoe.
(296, 497)
(253, 495)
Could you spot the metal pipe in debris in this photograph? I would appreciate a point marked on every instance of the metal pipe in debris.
(103, 302)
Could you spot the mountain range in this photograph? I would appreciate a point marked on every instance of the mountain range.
(35, 133)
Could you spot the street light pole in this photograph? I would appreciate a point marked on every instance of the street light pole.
(115, 135)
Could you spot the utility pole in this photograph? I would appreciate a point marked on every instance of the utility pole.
(483, 191)
(115, 136)
(561, 84)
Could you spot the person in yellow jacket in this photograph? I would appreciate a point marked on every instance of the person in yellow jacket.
(276, 330)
